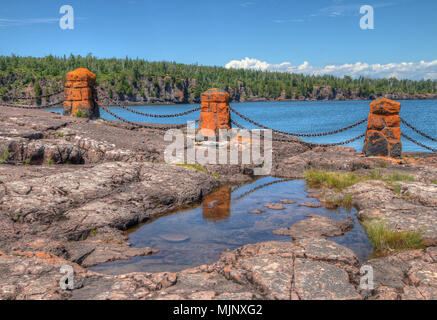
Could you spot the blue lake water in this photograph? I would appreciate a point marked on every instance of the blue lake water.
(307, 117)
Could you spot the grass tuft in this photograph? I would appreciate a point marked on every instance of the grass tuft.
(193, 166)
(333, 180)
(80, 114)
(385, 240)
(5, 156)
(340, 181)
(339, 201)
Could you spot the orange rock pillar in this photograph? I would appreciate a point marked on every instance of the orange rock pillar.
(214, 112)
(79, 94)
(383, 136)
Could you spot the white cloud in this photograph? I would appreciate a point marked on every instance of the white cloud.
(404, 70)
(247, 4)
(19, 22)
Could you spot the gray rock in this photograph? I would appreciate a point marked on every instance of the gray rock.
(315, 227)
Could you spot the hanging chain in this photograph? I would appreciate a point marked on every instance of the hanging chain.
(418, 143)
(299, 134)
(418, 131)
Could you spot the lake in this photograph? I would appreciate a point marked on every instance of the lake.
(307, 117)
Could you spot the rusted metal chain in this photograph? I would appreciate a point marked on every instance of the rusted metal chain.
(258, 188)
(309, 144)
(22, 106)
(418, 143)
(157, 126)
(158, 115)
(299, 134)
(151, 115)
(418, 131)
(33, 98)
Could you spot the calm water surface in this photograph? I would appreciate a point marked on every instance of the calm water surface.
(307, 117)
(199, 235)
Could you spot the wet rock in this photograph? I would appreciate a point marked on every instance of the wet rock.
(287, 201)
(274, 206)
(257, 211)
(309, 205)
(175, 237)
(315, 227)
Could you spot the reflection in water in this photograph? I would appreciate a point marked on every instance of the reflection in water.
(199, 235)
(217, 205)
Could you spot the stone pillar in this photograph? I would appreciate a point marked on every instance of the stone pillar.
(383, 136)
(79, 94)
(214, 112)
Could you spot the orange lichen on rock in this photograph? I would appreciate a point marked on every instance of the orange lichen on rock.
(383, 136)
(214, 112)
(79, 94)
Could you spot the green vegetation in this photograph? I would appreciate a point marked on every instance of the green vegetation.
(49, 161)
(384, 240)
(122, 75)
(27, 162)
(80, 113)
(60, 134)
(390, 178)
(333, 180)
(5, 156)
(339, 201)
(434, 181)
(193, 166)
(340, 181)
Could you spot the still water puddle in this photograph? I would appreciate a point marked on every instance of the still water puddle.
(197, 236)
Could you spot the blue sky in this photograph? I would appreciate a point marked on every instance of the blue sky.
(284, 35)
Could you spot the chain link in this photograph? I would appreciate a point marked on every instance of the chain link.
(34, 98)
(258, 188)
(418, 131)
(418, 143)
(151, 115)
(299, 134)
(159, 115)
(21, 106)
(157, 126)
(309, 144)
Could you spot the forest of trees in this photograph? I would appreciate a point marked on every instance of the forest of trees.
(121, 75)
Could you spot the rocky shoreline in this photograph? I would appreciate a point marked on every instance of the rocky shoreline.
(70, 187)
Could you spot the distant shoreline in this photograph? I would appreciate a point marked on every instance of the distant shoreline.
(132, 103)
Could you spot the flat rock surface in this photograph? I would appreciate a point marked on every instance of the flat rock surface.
(271, 270)
(315, 227)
